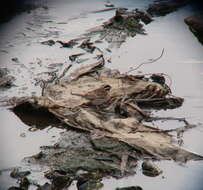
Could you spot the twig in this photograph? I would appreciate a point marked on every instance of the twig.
(63, 74)
(99, 50)
(54, 78)
(44, 83)
(167, 118)
(151, 61)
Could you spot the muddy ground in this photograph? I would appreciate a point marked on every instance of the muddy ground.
(38, 62)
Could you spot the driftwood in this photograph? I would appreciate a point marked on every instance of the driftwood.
(83, 101)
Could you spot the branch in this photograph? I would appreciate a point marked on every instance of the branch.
(64, 73)
(44, 83)
(151, 61)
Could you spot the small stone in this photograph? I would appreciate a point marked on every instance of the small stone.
(59, 179)
(48, 42)
(108, 4)
(24, 183)
(68, 44)
(46, 186)
(150, 169)
(86, 184)
(39, 155)
(23, 135)
(16, 173)
(15, 59)
(32, 129)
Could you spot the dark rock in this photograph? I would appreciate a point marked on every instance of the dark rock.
(48, 42)
(46, 186)
(59, 182)
(144, 17)
(158, 78)
(130, 188)
(166, 7)
(85, 184)
(15, 59)
(195, 24)
(15, 188)
(119, 16)
(24, 183)
(68, 44)
(121, 11)
(150, 169)
(16, 173)
(59, 179)
(94, 175)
